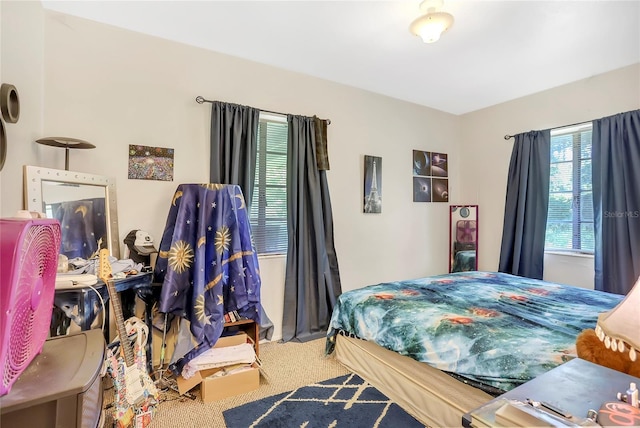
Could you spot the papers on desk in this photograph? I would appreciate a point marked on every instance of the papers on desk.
(81, 266)
(73, 281)
(513, 413)
(518, 414)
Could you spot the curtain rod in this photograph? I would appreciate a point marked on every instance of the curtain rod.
(506, 137)
(202, 100)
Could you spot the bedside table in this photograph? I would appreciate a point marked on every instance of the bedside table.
(575, 387)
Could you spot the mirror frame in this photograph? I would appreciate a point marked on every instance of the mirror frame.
(35, 175)
(453, 208)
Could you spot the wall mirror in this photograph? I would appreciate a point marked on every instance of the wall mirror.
(85, 205)
(463, 238)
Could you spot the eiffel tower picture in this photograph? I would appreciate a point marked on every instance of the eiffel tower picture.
(373, 192)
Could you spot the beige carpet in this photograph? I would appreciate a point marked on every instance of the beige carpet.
(288, 366)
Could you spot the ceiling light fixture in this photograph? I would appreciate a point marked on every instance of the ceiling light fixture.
(431, 26)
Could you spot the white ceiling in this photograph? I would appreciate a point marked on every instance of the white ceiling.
(496, 50)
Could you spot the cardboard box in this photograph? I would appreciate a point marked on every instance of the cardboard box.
(217, 388)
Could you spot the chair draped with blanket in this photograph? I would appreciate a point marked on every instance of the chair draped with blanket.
(207, 264)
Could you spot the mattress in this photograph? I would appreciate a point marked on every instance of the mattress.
(496, 331)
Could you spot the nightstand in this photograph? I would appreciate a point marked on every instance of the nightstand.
(575, 386)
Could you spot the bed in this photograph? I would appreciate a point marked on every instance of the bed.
(443, 345)
(464, 261)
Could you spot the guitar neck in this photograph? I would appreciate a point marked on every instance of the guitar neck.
(125, 344)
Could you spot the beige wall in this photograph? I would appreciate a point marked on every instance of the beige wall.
(21, 65)
(485, 154)
(114, 88)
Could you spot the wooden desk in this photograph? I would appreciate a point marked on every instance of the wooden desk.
(575, 386)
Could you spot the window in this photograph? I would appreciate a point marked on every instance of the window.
(570, 215)
(269, 205)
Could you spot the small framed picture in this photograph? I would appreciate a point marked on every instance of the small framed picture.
(439, 167)
(430, 176)
(421, 189)
(421, 163)
(440, 190)
(150, 163)
(372, 184)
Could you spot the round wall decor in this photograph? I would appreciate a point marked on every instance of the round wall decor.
(3, 144)
(9, 103)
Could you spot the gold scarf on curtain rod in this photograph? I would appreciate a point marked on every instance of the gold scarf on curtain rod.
(322, 154)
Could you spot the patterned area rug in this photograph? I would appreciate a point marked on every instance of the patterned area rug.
(345, 401)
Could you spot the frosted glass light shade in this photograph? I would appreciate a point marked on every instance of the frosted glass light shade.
(431, 26)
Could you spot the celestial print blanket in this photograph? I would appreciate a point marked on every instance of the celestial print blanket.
(207, 262)
(494, 329)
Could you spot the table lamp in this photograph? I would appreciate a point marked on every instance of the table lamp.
(619, 328)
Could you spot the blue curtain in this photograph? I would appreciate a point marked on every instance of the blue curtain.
(616, 201)
(312, 279)
(234, 144)
(525, 212)
(234, 147)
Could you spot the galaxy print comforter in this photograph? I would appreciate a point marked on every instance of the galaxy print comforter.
(492, 330)
(464, 261)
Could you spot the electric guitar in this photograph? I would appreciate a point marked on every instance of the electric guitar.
(136, 396)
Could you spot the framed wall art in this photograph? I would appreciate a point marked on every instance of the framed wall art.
(150, 163)
(372, 184)
(430, 177)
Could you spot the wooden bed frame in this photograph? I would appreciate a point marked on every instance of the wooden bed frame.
(431, 396)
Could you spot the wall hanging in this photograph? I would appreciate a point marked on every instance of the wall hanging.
(372, 184)
(430, 177)
(10, 113)
(150, 163)
(9, 103)
(3, 144)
